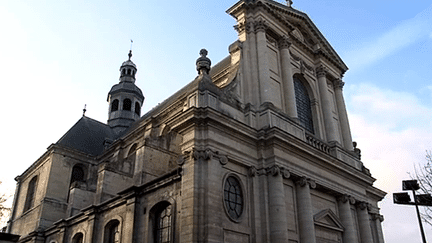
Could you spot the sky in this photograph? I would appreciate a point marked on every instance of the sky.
(57, 56)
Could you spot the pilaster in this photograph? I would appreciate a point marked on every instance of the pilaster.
(277, 208)
(343, 116)
(326, 105)
(378, 219)
(287, 77)
(304, 210)
(263, 68)
(350, 233)
(364, 223)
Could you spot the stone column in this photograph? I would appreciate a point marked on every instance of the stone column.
(326, 105)
(277, 208)
(129, 225)
(251, 40)
(343, 116)
(350, 233)
(364, 223)
(287, 78)
(189, 217)
(304, 210)
(263, 68)
(91, 228)
(244, 30)
(378, 219)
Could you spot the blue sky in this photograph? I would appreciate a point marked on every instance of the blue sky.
(57, 55)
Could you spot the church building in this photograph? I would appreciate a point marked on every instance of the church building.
(257, 148)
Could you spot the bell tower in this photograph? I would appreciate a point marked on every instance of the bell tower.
(125, 98)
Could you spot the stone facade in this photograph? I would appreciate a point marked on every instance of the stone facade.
(256, 149)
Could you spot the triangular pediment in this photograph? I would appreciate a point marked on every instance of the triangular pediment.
(328, 219)
(299, 25)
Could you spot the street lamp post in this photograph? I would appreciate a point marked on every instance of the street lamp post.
(419, 200)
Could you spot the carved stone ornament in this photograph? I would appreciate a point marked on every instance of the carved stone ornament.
(240, 27)
(274, 170)
(321, 71)
(347, 198)
(249, 26)
(363, 205)
(303, 181)
(285, 173)
(377, 216)
(203, 63)
(260, 25)
(204, 154)
(338, 83)
(284, 42)
(181, 159)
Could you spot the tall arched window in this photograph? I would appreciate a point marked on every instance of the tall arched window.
(114, 105)
(304, 110)
(162, 223)
(137, 108)
(112, 232)
(31, 191)
(127, 104)
(78, 238)
(77, 174)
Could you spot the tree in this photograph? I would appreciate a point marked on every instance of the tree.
(4, 210)
(423, 174)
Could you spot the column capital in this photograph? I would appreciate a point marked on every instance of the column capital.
(260, 25)
(284, 42)
(304, 181)
(363, 205)
(377, 216)
(274, 170)
(338, 83)
(240, 27)
(249, 27)
(347, 198)
(205, 154)
(321, 71)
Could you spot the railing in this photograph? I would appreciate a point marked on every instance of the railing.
(318, 144)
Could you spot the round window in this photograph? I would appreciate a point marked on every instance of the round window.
(233, 198)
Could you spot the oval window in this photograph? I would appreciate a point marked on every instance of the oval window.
(233, 198)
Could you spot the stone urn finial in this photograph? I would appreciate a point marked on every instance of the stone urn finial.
(203, 63)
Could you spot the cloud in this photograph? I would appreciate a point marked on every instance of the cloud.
(393, 131)
(402, 35)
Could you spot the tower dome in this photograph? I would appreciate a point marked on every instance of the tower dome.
(125, 98)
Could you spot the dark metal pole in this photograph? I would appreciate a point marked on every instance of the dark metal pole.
(419, 218)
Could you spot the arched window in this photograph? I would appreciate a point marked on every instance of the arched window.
(77, 174)
(114, 105)
(132, 150)
(78, 238)
(31, 191)
(304, 110)
(137, 108)
(112, 232)
(129, 72)
(162, 223)
(127, 104)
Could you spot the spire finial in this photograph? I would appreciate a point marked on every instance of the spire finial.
(203, 63)
(84, 110)
(130, 50)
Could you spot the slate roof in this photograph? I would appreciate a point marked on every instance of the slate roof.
(87, 136)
